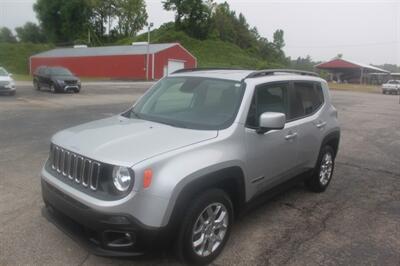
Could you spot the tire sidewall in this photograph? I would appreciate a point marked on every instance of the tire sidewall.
(324, 150)
(186, 251)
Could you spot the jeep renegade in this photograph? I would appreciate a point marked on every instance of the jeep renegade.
(180, 164)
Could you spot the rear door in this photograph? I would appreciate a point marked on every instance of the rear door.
(306, 102)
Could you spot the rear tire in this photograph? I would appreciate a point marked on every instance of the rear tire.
(322, 174)
(12, 93)
(205, 228)
(77, 90)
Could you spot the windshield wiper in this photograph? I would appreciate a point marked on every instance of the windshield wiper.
(135, 114)
(172, 124)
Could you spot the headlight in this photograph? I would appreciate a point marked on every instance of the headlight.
(121, 178)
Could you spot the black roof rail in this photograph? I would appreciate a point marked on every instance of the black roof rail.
(184, 70)
(267, 72)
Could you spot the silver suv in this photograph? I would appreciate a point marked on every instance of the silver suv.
(186, 159)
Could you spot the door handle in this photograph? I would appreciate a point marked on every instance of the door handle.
(320, 124)
(291, 136)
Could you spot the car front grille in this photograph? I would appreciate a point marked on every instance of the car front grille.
(71, 82)
(75, 167)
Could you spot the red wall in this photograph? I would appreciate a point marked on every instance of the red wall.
(126, 66)
(122, 66)
(176, 52)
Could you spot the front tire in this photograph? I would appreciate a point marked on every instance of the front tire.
(322, 174)
(205, 228)
(53, 88)
(36, 85)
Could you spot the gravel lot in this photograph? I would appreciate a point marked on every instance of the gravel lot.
(355, 222)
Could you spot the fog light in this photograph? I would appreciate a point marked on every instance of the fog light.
(119, 239)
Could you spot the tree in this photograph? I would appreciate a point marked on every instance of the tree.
(132, 16)
(6, 35)
(30, 32)
(278, 39)
(192, 16)
(63, 21)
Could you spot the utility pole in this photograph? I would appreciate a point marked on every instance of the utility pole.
(149, 25)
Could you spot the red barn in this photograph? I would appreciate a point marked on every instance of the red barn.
(125, 62)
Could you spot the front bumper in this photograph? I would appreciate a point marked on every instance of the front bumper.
(103, 234)
(4, 89)
(68, 87)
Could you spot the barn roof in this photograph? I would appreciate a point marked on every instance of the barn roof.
(344, 63)
(137, 49)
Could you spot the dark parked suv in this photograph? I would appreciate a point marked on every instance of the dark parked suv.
(57, 79)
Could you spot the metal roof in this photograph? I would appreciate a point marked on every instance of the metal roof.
(332, 64)
(106, 50)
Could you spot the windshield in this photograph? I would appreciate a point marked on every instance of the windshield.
(191, 102)
(3, 72)
(59, 71)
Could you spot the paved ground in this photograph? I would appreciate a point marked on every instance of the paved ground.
(355, 222)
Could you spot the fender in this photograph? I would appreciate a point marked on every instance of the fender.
(333, 139)
(230, 179)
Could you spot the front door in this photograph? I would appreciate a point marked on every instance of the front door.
(272, 157)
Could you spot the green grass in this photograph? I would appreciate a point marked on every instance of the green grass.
(355, 87)
(15, 56)
(209, 53)
(22, 77)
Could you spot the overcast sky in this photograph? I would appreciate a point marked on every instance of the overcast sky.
(365, 31)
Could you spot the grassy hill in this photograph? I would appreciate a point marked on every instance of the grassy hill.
(209, 53)
(15, 56)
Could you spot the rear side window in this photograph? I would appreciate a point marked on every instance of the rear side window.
(306, 98)
(268, 98)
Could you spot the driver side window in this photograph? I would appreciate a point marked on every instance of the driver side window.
(268, 98)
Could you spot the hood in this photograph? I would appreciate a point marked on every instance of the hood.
(64, 78)
(122, 141)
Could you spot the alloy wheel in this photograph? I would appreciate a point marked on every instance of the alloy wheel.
(326, 168)
(210, 229)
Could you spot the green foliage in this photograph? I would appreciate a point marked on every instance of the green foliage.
(192, 16)
(389, 67)
(132, 16)
(305, 63)
(67, 21)
(31, 32)
(7, 36)
(210, 21)
(15, 57)
(63, 21)
(210, 52)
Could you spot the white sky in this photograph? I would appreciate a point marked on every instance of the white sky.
(366, 31)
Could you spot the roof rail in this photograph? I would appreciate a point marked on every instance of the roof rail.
(266, 72)
(184, 70)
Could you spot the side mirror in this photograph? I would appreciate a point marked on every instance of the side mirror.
(271, 120)
(10, 75)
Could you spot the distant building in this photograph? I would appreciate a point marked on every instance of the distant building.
(346, 71)
(119, 62)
